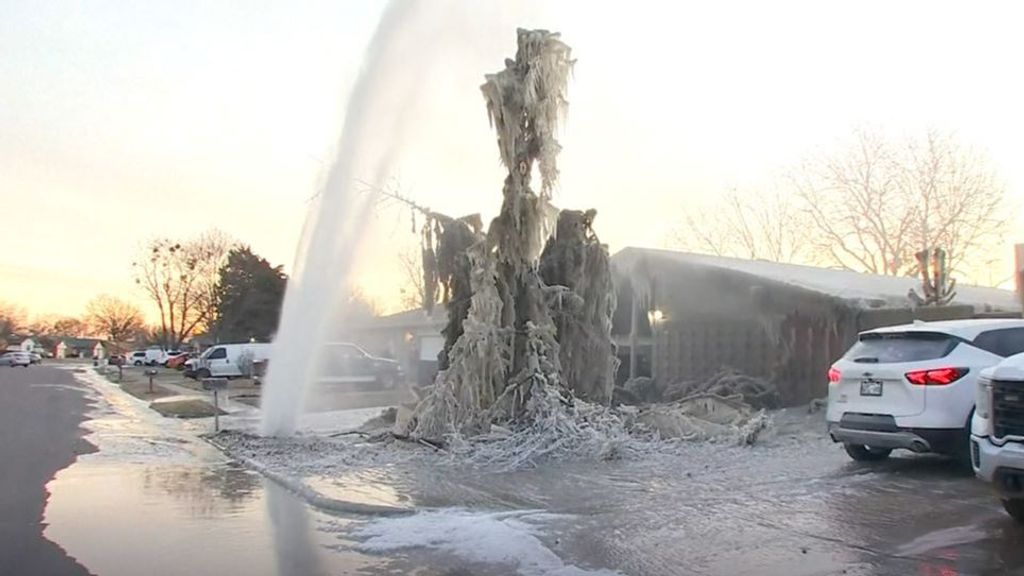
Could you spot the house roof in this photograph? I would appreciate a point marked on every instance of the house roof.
(864, 290)
(410, 319)
(80, 342)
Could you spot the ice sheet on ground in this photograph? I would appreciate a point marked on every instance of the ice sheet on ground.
(312, 423)
(506, 538)
(125, 429)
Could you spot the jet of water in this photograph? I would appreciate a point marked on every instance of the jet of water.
(333, 232)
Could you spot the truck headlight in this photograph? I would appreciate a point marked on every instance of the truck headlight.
(983, 398)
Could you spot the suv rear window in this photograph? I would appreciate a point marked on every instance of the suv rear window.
(894, 347)
(1002, 342)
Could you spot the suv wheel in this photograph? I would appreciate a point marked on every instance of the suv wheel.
(866, 453)
(1015, 508)
(138, 362)
(202, 373)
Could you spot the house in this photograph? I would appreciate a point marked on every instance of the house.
(686, 316)
(24, 344)
(90, 348)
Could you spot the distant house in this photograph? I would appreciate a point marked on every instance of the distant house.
(24, 344)
(90, 348)
(690, 315)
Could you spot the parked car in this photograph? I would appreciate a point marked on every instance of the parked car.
(228, 360)
(23, 359)
(190, 366)
(177, 361)
(116, 360)
(35, 358)
(997, 432)
(913, 386)
(172, 355)
(147, 357)
(344, 362)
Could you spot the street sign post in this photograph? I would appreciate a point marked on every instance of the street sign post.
(215, 384)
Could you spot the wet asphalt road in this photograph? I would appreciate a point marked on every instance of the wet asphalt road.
(792, 505)
(40, 410)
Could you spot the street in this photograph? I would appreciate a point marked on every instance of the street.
(40, 409)
(155, 499)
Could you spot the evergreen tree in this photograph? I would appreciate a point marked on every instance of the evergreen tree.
(248, 297)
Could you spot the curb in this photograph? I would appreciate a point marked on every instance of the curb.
(314, 498)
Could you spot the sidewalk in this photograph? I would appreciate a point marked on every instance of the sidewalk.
(232, 407)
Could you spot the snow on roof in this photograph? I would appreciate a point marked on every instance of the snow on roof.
(860, 288)
(966, 329)
(415, 318)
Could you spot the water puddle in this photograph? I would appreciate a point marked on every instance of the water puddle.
(154, 499)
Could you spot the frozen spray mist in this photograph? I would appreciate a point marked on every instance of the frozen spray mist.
(334, 230)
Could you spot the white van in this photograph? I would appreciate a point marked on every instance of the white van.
(147, 357)
(230, 360)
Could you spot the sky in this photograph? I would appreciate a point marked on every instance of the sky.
(125, 121)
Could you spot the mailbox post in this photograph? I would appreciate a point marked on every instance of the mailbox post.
(215, 384)
(151, 373)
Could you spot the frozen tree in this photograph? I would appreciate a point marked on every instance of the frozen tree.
(937, 287)
(502, 363)
(876, 204)
(246, 363)
(576, 260)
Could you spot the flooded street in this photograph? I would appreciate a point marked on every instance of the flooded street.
(155, 499)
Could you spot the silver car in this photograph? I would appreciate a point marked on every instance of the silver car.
(22, 359)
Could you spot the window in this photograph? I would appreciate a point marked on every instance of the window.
(1003, 342)
(217, 354)
(894, 347)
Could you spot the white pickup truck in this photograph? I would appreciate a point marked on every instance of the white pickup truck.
(997, 432)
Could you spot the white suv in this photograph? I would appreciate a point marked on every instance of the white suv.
(997, 432)
(913, 386)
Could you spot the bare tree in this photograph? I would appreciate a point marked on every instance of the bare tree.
(412, 288)
(114, 318)
(758, 226)
(181, 279)
(12, 319)
(874, 205)
(59, 326)
(359, 307)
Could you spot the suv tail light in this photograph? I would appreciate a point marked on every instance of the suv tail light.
(834, 375)
(936, 376)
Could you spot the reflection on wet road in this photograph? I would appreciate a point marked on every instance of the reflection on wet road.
(155, 500)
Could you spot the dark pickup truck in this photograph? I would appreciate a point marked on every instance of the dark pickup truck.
(346, 363)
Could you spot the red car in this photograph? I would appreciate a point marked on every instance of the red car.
(177, 361)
